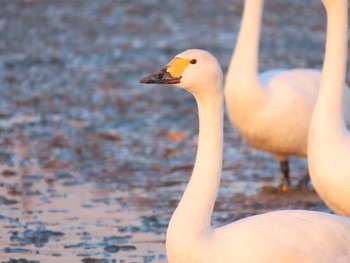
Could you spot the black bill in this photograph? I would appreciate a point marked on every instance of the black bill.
(160, 77)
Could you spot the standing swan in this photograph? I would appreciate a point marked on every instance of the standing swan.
(283, 236)
(329, 142)
(272, 111)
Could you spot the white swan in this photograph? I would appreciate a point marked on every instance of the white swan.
(329, 141)
(272, 111)
(284, 236)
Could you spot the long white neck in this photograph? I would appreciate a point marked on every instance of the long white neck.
(328, 115)
(244, 61)
(192, 217)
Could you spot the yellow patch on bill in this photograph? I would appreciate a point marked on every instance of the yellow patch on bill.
(177, 66)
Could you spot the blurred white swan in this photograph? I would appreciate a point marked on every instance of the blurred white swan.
(271, 110)
(284, 236)
(329, 141)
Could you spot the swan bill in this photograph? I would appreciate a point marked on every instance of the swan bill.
(161, 77)
(171, 74)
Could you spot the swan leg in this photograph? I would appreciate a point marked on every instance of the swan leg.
(303, 182)
(284, 166)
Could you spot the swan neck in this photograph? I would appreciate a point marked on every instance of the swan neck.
(193, 214)
(244, 61)
(329, 103)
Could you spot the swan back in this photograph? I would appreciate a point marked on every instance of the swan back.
(289, 236)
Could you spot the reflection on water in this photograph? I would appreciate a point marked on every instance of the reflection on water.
(62, 219)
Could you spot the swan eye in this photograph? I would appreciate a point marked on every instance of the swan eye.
(193, 61)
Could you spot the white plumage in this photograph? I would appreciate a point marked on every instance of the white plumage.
(329, 141)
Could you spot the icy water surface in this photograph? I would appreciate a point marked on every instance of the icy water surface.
(92, 164)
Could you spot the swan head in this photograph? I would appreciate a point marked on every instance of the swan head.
(194, 70)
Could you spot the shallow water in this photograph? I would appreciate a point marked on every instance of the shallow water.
(92, 164)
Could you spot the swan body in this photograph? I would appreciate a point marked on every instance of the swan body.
(285, 236)
(256, 123)
(272, 111)
(329, 140)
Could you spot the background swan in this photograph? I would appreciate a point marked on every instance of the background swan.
(284, 236)
(272, 111)
(329, 142)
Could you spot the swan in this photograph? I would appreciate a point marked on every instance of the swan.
(272, 111)
(290, 236)
(329, 141)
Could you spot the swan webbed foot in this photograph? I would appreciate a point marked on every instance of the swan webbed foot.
(284, 187)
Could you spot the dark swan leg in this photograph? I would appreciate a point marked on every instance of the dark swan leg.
(284, 166)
